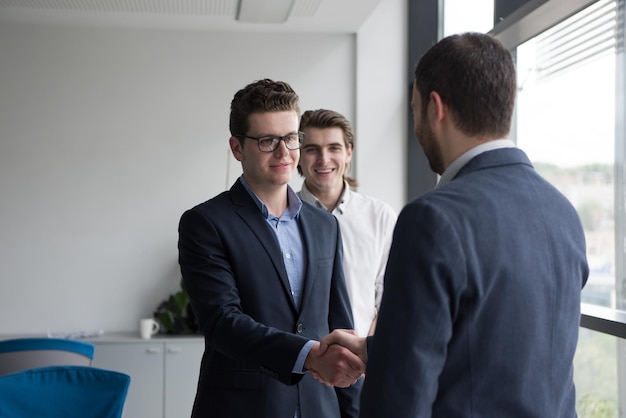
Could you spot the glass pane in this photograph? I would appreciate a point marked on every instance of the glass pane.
(595, 375)
(465, 16)
(566, 125)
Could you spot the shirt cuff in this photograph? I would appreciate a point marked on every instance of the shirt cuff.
(304, 352)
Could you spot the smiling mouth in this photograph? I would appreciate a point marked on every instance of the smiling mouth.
(324, 171)
(280, 167)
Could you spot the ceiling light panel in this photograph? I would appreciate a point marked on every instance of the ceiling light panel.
(264, 11)
(173, 7)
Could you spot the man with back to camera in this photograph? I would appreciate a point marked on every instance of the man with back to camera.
(366, 223)
(481, 309)
(264, 276)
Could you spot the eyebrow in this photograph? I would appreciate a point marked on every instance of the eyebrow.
(332, 144)
(273, 135)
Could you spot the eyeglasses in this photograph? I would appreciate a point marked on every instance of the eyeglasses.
(269, 143)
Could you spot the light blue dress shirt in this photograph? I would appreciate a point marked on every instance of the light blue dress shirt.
(287, 232)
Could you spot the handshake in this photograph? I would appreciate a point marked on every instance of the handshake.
(339, 359)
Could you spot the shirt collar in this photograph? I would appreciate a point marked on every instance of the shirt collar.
(345, 197)
(294, 204)
(464, 158)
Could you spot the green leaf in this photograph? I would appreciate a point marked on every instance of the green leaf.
(182, 300)
(167, 320)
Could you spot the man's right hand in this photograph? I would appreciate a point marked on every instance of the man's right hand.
(346, 338)
(335, 365)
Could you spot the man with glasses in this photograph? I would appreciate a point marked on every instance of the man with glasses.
(265, 279)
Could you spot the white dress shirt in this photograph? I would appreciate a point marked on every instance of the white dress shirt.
(366, 226)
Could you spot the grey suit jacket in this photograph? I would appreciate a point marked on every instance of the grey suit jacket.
(233, 270)
(481, 308)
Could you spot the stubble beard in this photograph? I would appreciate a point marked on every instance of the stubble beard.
(431, 147)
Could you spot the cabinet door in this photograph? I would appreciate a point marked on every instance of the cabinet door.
(144, 364)
(182, 367)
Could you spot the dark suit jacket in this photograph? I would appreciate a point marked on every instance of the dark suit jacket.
(233, 270)
(481, 309)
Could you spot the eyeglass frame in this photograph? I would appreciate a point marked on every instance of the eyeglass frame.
(283, 138)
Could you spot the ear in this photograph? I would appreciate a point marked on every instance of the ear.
(437, 110)
(235, 148)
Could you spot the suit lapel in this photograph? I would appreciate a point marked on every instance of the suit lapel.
(307, 229)
(250, 215)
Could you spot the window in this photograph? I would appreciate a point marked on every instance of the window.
(467, 16)
(566, 121)
(596, 375)
(566, 125)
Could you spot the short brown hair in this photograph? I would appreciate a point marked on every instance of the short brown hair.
(475, 77)
(260, 96)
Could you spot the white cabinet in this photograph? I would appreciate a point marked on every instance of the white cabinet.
(163, 372)
(182, 368)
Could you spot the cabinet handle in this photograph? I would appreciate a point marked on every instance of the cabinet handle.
(174, 350)
(151, 350)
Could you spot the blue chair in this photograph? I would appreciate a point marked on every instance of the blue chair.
(29, 353)
(63, 392)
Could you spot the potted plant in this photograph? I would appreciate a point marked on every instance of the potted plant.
(175, 314)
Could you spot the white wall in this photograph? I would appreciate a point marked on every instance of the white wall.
(108, 135)
(383, 103)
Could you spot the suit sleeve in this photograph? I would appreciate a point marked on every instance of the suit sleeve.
(415, 323)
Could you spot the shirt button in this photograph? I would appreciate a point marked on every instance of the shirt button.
(299, 328)
(288, 255)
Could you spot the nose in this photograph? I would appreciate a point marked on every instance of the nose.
(322, 156)
(282, 148)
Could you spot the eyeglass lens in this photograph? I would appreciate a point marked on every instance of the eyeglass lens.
(271, 143)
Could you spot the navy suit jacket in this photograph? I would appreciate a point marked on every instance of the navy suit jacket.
(233, 270)
(481, 309)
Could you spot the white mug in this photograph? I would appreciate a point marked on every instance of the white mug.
(148, 327)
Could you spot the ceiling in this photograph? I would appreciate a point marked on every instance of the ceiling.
(338, 16)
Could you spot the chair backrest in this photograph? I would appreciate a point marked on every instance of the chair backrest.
(29, 353)
(63, 392)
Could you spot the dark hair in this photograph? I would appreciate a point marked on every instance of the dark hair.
(475, 77)
(260, 96)
(323, 118)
